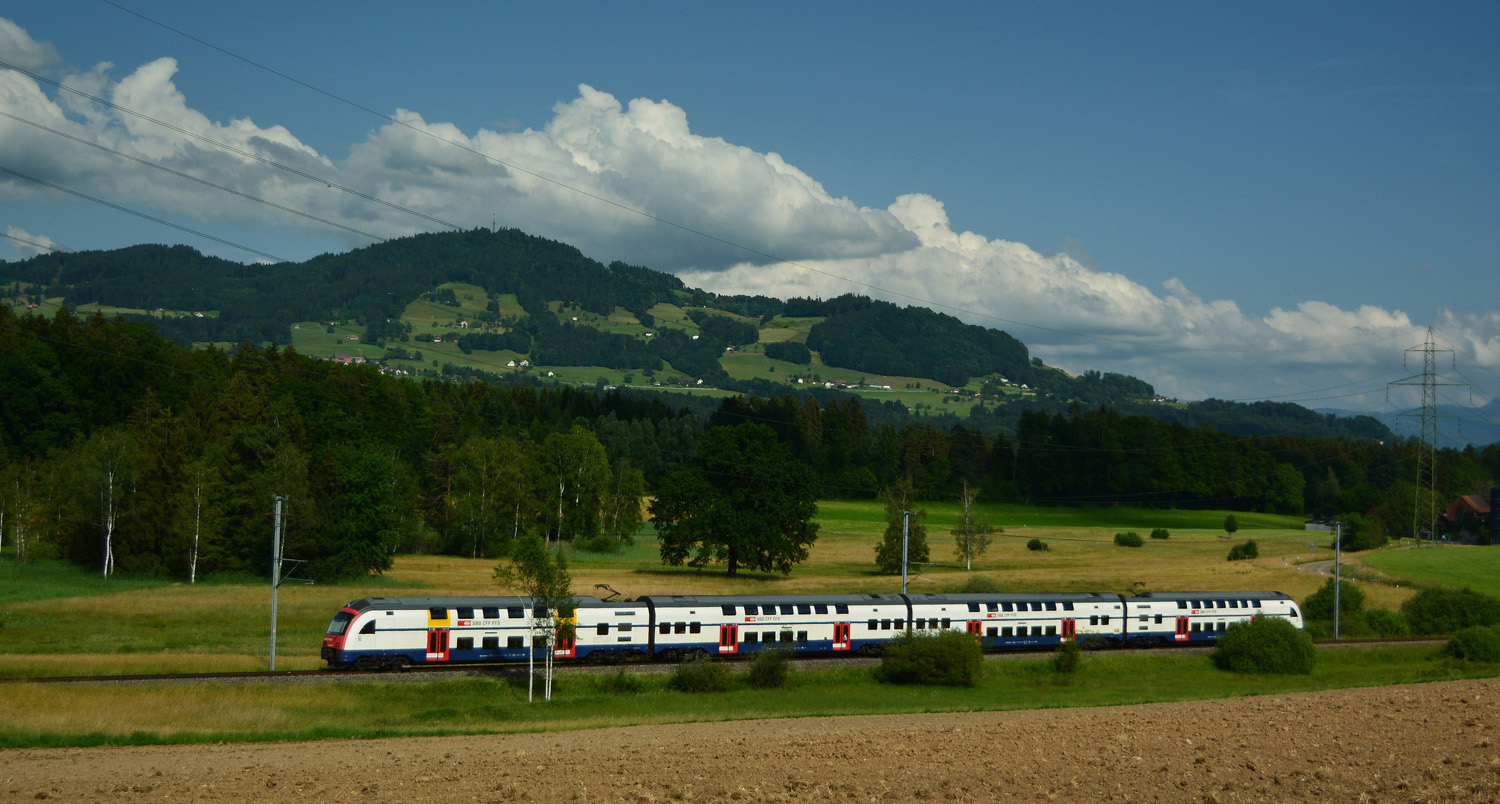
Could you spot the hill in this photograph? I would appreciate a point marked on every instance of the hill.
(487, 303)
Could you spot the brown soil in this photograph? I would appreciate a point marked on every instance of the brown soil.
(1417, 743)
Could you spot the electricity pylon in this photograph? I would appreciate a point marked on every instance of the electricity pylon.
(1424, 515)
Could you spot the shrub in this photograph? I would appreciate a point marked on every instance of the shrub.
(1068, 657)
(1475, 644)
(1244, 551)
(1447, 611)
(1387, 623)
(1231, 523)
(701, 674)
(622, 683)
(1319, 604)
(602, 543)
(1131, 539)
(979, 585)
(1036, 544)
(1265, 645)
(1160, 533)
(951, 658)
(770, 669)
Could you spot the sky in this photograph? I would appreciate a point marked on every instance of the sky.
(1231, 200)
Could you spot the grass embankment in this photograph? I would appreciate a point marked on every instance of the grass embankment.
(78, 715)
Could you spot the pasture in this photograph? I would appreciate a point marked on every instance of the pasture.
(56, 619)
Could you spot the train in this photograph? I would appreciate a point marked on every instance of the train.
(396, 632)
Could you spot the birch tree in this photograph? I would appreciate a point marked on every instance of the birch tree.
(543, 579)
(972, 536)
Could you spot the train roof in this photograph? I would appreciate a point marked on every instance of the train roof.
(1226, 594)
(475, 602)
(741, 600)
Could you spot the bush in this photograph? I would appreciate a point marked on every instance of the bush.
(1036, 544)
(950, 658)
(602, 543)
(1244, 551)
(622, 683)
(1387, 623)
(1475, 644)
(1131, 539)
(1265, 645)
(1160, 533)
(979, 585)
(699, 675)
(1319, 604)
(1231, 523)
(1068, 657)
(770, 669)
(1448, 611)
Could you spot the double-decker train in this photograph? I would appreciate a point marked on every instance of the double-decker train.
(392, 632)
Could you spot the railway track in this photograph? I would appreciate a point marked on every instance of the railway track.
(433, 672)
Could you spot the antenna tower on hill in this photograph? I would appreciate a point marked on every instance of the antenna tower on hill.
(1424, 515)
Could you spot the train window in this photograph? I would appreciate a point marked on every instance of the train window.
(603, 629)
(885, 625)
(1007, 607)
(1067, 606)
(466, 614)
(920, 623)
(1093, 619)
(513, 642)
(805, 608)
(751, 637)
(873, 625)
(728, 610)
(1197, 627)
(1294, 611)
(438, 614)
(801, 636)
(1006, 631)
(752, 609)
(369, 628)
(841, 608)
(491, 643)
(466, 643)
(768, 636)
(786, 636)
(973, 607)
(992, 631)
(1020, 630)
(665, 628)
(991, 607)
(492, 613)
(1051, 606)
(1223, 604)
(1182, 604)
(1256, 603)
(1145, 618)
(515, 613)
(681, 628)
(947, 622)
(788, 609)
(1104, 620)
(539, 641)
(695, 628)
(1051, 630)
(1223, 626)
(820, 609)
(1158, 619)
(900, 624)
(624, 628)
(1234, 604)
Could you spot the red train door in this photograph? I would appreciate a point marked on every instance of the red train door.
(566, 645)
(1182, 629)
(1069, 629)
(729, 639)
(976, 628)
(840, 636)
(437, 644)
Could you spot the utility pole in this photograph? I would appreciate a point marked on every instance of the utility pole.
(905, 539)
(1424, 517)
(1338, 582)
(275, 568)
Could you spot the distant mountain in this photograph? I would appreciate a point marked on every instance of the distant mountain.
(1458, 426)
(532, 305)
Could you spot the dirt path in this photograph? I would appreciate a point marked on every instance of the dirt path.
(1426, 742)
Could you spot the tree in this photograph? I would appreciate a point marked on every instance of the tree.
(745, 502)
(1231, 524)
(972, 536)
(543, 579)
(898, 501)
(489, 490)
(108, 463)
(579, 468)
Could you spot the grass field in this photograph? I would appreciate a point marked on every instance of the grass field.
(1475, 567)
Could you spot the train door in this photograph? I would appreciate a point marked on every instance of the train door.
(840, 636)
(976, 628)
(566, 646)
(1182, 629)
(1069, 629)
(437, 644)
(729, 639)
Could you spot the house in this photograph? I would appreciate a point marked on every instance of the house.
(1468, 518)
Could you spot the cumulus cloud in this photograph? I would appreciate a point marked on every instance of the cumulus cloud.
(631, 181)
(28, 244)
(18, 48)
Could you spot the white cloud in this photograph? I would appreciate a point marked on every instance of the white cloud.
(18, 48)
(28, 244)
(605, 176)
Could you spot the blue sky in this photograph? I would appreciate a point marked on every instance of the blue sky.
(1234, 200)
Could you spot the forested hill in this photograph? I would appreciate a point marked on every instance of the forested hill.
(492, 302)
